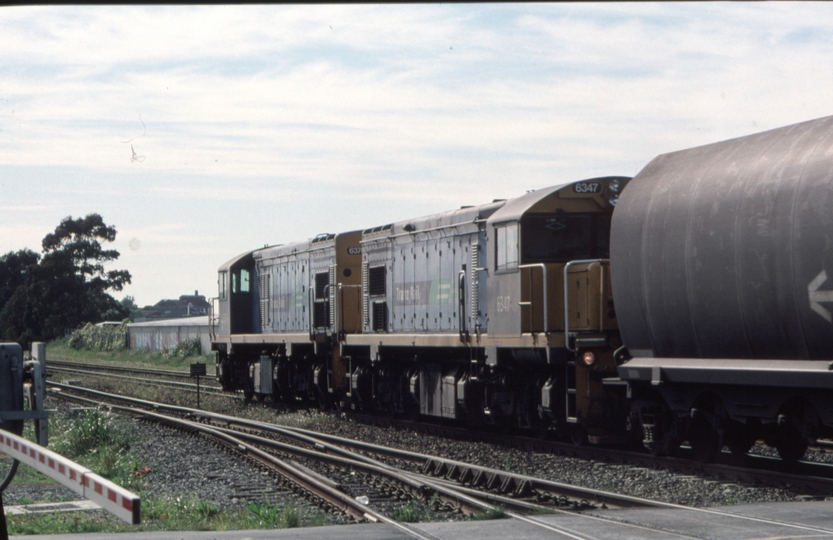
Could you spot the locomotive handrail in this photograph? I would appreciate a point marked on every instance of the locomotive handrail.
(461, 318)
(567, 302)
(213, 319)
(543, 268)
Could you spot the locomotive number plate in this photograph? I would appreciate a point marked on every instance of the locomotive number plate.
(587, 187)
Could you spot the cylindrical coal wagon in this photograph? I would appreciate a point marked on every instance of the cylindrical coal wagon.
(723, 251)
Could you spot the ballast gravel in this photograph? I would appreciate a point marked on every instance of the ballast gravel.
(181, 465)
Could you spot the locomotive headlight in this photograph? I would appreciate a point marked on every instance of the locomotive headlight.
(589, 358)
(613, 200)
(613, 186)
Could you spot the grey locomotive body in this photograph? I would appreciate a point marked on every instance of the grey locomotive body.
(473, 315)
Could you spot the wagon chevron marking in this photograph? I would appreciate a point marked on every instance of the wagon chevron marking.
(817, 296)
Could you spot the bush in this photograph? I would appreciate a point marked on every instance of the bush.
(100, 442)
(184, 349)
(107, 337)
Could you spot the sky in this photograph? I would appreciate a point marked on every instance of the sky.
(203, 132)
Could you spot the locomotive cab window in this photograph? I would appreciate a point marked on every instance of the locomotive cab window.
(240, 281)
(222, 283)
(507, 247)
(565, 237)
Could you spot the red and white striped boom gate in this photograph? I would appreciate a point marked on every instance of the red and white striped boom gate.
(83, 481)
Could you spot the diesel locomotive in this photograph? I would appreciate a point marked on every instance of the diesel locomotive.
(687, 304)
(500, 314)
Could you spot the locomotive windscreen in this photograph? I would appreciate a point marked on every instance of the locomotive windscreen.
(722, 251)
(564, 237)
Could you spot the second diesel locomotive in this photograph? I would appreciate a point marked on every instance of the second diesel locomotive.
(496, 314)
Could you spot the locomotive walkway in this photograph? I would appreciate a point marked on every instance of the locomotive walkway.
(742, 522)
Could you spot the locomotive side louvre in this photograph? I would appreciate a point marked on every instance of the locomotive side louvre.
(425, 265)
(283, 272)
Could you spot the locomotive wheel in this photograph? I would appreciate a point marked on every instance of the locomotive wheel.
(578, 435)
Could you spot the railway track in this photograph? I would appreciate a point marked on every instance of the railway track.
(382, 469)
(475, 489)
(750, 469)
(141, 378)
(109, 368)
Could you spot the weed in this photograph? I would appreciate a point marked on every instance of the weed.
(408, 513)
(496, 512)
(180, 513)
(274, 516)
(101, 442)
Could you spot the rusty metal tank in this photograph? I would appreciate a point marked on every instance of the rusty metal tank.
(726, 250)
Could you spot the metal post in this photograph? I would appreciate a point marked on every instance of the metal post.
(198, 370)
(4, 531)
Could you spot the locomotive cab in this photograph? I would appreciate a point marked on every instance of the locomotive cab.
(550, 288)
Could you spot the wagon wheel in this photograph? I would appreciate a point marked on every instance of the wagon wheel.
(739, 439)
(790, 443)
(705, 441)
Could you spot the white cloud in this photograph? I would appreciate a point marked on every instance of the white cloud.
(276, 114)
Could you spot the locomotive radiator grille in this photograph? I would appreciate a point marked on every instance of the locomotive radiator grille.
(265, 282)
(365, 297)
(332, 296)
(376, 288)
(321, 307)
(474, 300)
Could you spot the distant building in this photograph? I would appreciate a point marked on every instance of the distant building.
(162, 336)
(187, 306)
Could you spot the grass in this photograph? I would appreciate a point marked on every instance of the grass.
(168, 514)
(496, 512)
(409, 513)
(101, 441)
(60, 350)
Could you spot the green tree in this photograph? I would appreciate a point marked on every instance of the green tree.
(68, 286)
(14, 267)
(130, 303)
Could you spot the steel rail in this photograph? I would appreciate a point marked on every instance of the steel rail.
(146, 371)
(124, 369)
(331, 442)
(297, 475)
(261, 425)
(174, 384)
(347, 459)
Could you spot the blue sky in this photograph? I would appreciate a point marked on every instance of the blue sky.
(203, 132)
